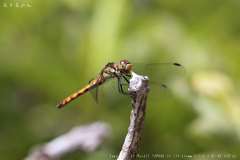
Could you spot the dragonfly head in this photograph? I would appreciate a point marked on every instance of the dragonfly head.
(125, 66)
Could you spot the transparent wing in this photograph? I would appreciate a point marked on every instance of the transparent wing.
(158, 92)
(111, 93)
(94, 90)
(159, 72)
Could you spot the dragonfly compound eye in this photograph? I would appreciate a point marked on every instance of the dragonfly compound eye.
(128, 67)
(123, 62)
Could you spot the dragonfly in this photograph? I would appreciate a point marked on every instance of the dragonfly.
(114, 78)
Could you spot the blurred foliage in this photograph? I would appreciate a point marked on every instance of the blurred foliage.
(53, 48)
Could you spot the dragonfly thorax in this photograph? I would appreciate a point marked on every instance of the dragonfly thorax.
(125, 66)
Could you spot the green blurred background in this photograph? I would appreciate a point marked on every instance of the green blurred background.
(53, 48)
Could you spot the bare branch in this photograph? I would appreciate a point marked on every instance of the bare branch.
(138, 87)
(84, 138)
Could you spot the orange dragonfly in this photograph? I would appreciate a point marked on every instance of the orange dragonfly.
(116, 77)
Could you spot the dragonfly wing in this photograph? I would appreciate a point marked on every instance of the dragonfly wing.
(159, 72)
(111, 93)
(158, 93)
(94, 90)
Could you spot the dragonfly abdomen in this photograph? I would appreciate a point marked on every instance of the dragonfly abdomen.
(74, 96)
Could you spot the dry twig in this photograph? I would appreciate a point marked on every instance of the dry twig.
(84, 138)
(138, 87)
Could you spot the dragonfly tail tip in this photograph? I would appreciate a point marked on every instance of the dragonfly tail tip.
(59, 106)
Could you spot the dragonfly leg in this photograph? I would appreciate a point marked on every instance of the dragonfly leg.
(120, 89)
(126, 80)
